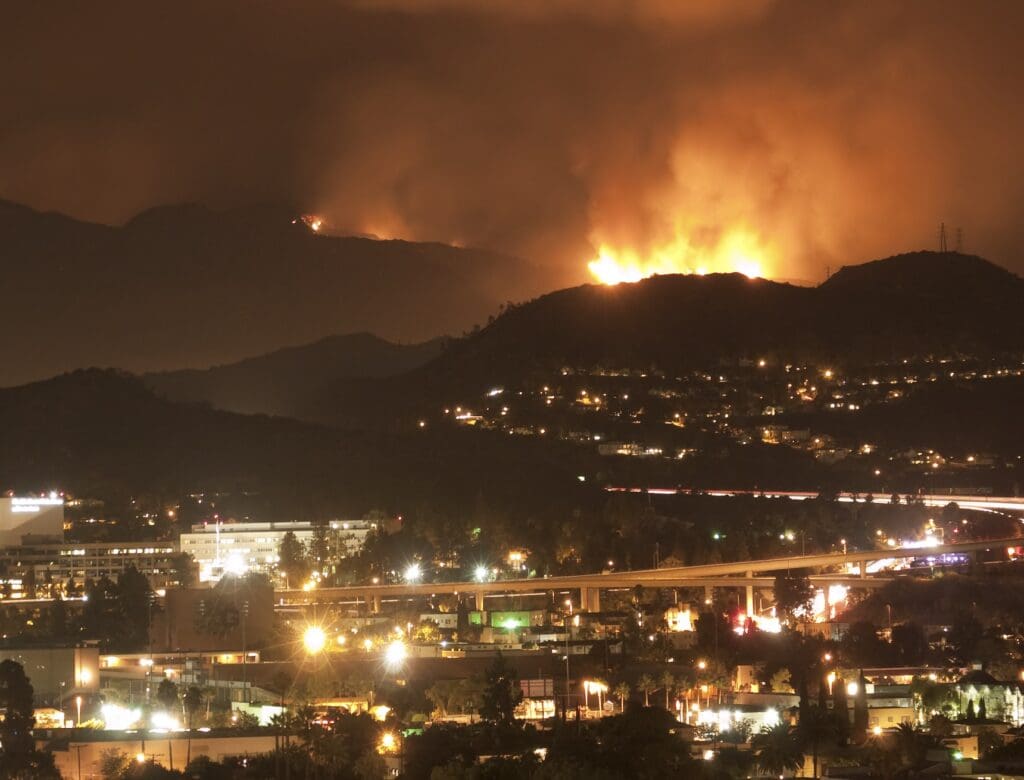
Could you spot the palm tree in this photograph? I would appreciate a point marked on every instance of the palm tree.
(622, 690)
(646, 684)
(817, 727)
(191, 703)
(913, 744)
(668, 682)
(778, 750)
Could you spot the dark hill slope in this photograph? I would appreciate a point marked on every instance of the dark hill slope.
(186, 286)
(293, 381)
(101, 433)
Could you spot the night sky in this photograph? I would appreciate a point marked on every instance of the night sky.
(798, 135)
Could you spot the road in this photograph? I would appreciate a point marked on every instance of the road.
(984, 503)
(722, 575)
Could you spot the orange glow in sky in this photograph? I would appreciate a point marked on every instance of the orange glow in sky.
(735, 251)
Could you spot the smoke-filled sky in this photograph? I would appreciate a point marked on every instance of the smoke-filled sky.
(698, 134)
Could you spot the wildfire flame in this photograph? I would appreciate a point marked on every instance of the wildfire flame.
(736, 251)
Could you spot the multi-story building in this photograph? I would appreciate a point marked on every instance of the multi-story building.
(38, 569)
(236, 548)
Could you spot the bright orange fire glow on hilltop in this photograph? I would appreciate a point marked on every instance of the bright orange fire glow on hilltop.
(736, 251)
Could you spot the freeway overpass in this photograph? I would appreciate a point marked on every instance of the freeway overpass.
(981, 503)
(742, 574)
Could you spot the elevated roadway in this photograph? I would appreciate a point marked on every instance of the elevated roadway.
(742, 574)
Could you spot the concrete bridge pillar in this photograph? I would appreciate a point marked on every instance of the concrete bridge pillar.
(374, 602)
(590, 599)
(479, 599)
(750, 595)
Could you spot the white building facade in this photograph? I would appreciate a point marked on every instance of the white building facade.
(237, 548)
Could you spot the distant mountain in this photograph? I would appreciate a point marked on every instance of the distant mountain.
(295, 381)
(188, 286)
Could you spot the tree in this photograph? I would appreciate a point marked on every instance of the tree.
(913, 745)
(18, 755)
(370, 766)
(191, 702)
(668, 682)
(183, 567)
(292, 559)
(167, 695)
(133, 601)
(114, 764)
(794, 593)
(778, 750)
(780, 682)
(817, 727)
(501, 692)
(58, 618)
(622, 690)
(646, 684)
(910, 643)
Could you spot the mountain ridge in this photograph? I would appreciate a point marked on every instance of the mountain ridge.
(188, 285)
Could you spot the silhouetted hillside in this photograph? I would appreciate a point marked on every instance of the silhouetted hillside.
(920, 304)
(294, 381)
(186, 286)
(102, 433)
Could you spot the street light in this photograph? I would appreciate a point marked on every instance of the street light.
(314, 639)
(413, 572)
(480, 573)
(395, 655)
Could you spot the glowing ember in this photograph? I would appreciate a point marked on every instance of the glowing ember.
(312, 221)
(736, 251)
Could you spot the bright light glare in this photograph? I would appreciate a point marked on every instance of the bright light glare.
(388, 742)
(395, 654)
(117, 718)
(162, 720)
(314, 640)
(236, 565)
(413, 572)
(481, 573)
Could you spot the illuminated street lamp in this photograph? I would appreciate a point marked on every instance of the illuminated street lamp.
(413, 572)
(314, 639)
(480, 573)
(395, 655)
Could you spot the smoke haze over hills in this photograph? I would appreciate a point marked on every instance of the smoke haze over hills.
(809, 134)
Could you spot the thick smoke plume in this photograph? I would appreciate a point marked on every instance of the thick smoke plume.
(821, 133)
